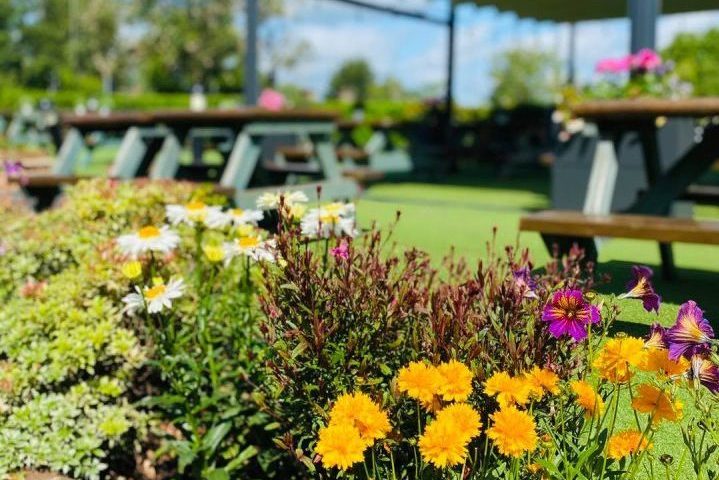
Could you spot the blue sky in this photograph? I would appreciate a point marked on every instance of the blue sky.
(415, 52)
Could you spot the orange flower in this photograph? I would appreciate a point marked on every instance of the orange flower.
(456, 381)
(588, 398)
(626, 443)
(361, 412)
(657, 403)
(657, 360)
(420, 381)
(617, 356)
(465, 419)
(541, 380)
(513, 432)
(509, 390)
(340, 446)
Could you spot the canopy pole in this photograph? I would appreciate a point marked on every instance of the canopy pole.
(643, 15)
(251, 76)
(449, 98)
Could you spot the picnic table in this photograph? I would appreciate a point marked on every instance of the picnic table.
(152, 143)
(380, 153)
(643, 117)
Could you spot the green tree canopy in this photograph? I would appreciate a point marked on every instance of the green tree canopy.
(525, 77)
(191, 42)
(354, 75)
(697, 60)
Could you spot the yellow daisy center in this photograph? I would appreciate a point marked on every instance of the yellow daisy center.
(248, 242)
(236, 212)
(154, 292)
(149, 232)
(195, 206)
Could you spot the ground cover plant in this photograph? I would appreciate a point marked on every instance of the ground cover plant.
(149, 331)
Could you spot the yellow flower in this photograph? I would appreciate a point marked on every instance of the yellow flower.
(657, 360)
(297, 210)
(509, 390)
(358, 410)
(419, 381)
(617, 356)
(657, 403)
(441, 446)
(625, 443)
(214, 253)
(132, 269)
(457, 381)
(465, 419)
(246, 230)
(541, 380)
(340, 446)
(588, 398)
(513, 431)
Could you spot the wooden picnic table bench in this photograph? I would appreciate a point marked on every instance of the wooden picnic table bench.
(614, 119)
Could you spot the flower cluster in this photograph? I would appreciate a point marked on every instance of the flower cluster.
(354, 425)
(645, 60)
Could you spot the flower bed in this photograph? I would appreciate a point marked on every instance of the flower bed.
(150, 332)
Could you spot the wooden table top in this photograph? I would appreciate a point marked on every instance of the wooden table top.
(214, 117)
(647, 108)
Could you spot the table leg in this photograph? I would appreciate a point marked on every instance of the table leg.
(653, 169)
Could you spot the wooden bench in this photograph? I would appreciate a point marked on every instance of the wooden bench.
(565, 228)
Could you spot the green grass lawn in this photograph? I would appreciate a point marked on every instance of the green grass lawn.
(462, 211)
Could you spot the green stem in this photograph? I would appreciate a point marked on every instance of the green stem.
(611, 426)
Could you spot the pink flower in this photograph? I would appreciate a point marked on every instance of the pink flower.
(646, 59)
(271, 100)
(614, 65)
(342, 251)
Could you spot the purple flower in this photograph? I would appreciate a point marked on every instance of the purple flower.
(524, 282)
(13, 169)
(691, 334)
(569, 313)
(657, 337)
(706, 372)
(641, 287)
(342, 251)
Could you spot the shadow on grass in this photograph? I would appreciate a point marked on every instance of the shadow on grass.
(481, 175)
(690, 284)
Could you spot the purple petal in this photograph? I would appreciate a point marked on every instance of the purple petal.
(651, 302)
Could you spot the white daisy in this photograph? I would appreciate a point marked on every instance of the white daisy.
(190, 213)
(234, 216)
(148, 239)
(251, 246)
(332, 219)
(270, 201)
(157, 297)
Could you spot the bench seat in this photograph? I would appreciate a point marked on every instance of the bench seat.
(43, 179)
(352, 153)
(641, 227)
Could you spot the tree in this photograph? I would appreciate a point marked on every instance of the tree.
(9, 24)
(66, 39)
(191, 42)
(525, 77)
(355, 76)
(696, 58)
